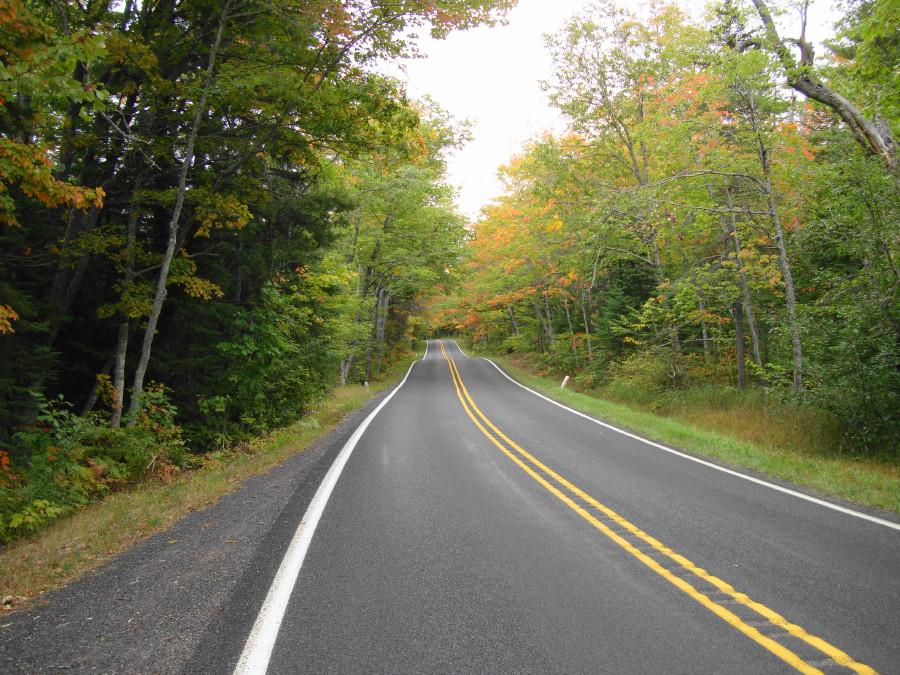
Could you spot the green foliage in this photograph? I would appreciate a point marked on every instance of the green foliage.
(36, 82)
(854, 316)
(647, 370)
(279, 360)
(403, 239)
(232, 184)
(257, 304)
(694, 215)
(867, 47)
(63, 461)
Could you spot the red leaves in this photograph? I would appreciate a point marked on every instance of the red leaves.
(6, 473)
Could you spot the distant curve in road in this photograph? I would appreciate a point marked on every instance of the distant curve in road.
(472, 526)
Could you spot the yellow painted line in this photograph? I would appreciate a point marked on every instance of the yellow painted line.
(773, 617)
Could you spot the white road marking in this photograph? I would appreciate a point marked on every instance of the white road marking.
(683, 455)
(261, 641)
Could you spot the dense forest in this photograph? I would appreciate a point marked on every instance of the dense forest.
(213, 211)
(722, 213)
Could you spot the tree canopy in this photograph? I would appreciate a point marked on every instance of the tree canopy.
(721, 212)
(211, 212)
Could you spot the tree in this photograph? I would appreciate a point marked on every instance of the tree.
(404, 234)
(696, 203)
(195, 122)
(873, 134)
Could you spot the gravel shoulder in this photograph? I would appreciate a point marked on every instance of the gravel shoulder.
(184, 599)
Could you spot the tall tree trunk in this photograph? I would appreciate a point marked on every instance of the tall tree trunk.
(546, 325)
(751, 323)
(125, 322)
(121, 351)
(739, 342)
(585, 299)
(789, 296)
(677, 352)
(704, 334)
(568, 314)
(783, 261)
(540, 315)
(350, 359)
(162, 279)
(347, 364)
(384, 304)
(571, 329)
(731, 234)
(549, 316)
(370, 345)
(512, 319)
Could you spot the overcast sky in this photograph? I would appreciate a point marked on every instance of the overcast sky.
(491, 77)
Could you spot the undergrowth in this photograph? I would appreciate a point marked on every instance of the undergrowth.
(58, 551)
(66, 461)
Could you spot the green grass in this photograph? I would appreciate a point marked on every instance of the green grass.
(795, 444)
(72, 546)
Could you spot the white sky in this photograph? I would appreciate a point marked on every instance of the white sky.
(491, 77)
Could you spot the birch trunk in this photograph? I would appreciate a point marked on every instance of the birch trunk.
(585, 299)
(789, 296)
(783, 261)
(704, 334)
(739, 340)
(540, 315)
(162, 279)
(370, 345)
(571, 329)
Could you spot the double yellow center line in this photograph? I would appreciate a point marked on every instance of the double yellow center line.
(761, 624)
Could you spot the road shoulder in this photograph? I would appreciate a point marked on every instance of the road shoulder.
(158, 607)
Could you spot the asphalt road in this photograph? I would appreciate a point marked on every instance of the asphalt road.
(505, 534)
(478, 528)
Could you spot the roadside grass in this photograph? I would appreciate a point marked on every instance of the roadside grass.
(73, 546)
(794, 444)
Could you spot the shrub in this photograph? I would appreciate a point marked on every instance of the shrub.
(63, 461)
(649, 371)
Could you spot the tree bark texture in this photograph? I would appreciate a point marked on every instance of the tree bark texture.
(873, 135)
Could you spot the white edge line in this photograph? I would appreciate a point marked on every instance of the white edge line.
(261, 641)
(809, 498)
(461, 351)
